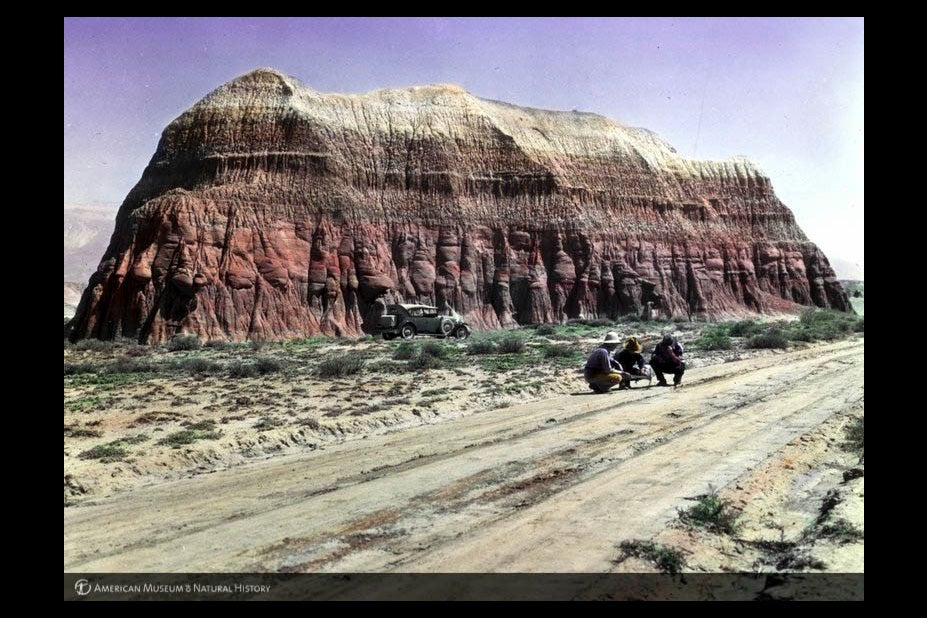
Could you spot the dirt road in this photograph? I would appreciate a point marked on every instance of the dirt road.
(550, 486)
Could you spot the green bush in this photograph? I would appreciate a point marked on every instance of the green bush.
(435, 349)
(202, 430)
(858, 327)
(799, 333)
(822, 325)
(340, 367)
(559, 351)
(713, 338)
(744, 328)
(544, 330)
(713, 513)
(112, 451)
(770, 339)
(183, 342)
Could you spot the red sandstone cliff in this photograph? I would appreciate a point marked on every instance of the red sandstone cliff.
(272, 211)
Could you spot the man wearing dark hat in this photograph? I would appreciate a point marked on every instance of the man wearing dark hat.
(631, 361)
(602, 371)
(667, 357)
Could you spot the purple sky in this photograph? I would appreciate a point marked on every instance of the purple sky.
(786, 93)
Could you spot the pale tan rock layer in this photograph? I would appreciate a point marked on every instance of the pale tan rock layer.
(272, 211)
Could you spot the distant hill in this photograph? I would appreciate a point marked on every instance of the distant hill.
(847, 269)
(87, 230)
(853, 287)
(72, 292)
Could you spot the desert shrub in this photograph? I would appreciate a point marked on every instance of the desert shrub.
(183, 342)
(545, 329)
(311, 423)
(511, 345)
(433, 348)
(854, 431)
(483, 346)
(744, 328)
(560, 351)
(425, 361)
(112, 451)
(82, 433)
(129, 365)
(713, 513)
(267, 422)
(239, 369)
(339, 367)
(106, 453)
(404, 351)
(858, 327)
(773, 338)
(197, 431)
(798, 332)
(841, 531)
(197, 365)
(94, 345)
(71, 369)
(267, 364)
(592, 322)
(667, 559)
(257, 346)
(713, 338)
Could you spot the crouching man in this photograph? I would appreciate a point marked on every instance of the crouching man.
(631, 361)
(667, 358)
(602, 371)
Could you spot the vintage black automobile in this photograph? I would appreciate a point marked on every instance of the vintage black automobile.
(407, 321)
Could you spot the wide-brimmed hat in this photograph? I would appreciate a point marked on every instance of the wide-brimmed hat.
(633, 345)
(611, 337)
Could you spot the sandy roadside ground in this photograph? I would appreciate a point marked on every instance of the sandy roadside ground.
(548, 486)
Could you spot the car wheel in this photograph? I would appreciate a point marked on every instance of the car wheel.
(447, 327)
(408, 331)
(462, 332)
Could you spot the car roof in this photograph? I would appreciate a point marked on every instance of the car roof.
(407, 307)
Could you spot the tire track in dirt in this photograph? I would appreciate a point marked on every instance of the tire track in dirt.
(545, 486)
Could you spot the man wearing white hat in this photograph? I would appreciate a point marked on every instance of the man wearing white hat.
(602, 371)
